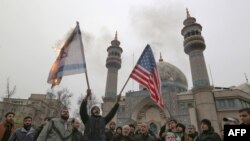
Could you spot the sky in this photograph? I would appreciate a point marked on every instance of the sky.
(30, 30)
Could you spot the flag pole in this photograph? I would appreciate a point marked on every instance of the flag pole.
(124, 86)
(83, 56)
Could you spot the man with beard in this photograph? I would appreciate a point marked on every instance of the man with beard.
(26, 133)
(191, 130)
(144, 136)
(124, 136)
(58, 129)
(7, 127)
(95, 123)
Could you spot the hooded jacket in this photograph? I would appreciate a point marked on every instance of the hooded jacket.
(95, 125)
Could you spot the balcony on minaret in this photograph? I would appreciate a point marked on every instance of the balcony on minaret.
(194, 45)
(191, 32)
(114, 54)
(113, 64)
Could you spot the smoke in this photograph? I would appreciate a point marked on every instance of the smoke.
(160, 25)
(95, 48)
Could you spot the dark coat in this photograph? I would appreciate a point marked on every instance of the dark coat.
(123, 138)
(193, 135)
(162, 130)
(78, 136)
(208, 135)
(38, 131)
(95, 125)
(143, 137)
(109, 134)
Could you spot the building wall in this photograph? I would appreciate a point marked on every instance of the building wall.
(37, 106)
(136, 107)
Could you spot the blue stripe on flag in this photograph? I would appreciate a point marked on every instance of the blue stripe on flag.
(71, 67)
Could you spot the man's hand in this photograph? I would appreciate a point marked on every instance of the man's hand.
(88, 94)
(118, 98)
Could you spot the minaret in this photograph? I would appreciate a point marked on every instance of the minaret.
(113, 64)
(194, 45)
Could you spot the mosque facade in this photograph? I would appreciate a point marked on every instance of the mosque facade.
(188, 106)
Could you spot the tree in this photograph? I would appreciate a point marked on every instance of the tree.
(9, 92)
(63, 97)
(57, 99)
(6, 101)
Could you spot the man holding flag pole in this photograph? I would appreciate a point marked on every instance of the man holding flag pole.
(95, 123)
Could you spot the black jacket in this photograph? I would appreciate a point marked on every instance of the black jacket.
(95, 125)
(123, 138)
(208, 135)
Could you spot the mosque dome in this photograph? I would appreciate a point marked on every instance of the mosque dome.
(171, 75)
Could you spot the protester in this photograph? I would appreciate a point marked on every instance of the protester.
(110, 132)
(138, 128)
(192, 133)
(118, 130)
(124, 136)
(58, 129)
(7, 126)
(163, 131)
(244, 116)
(181, 132)
(77, 135)
(95, 123)
(228, 121)
(170, 126)
(170, 136)
(132, 130)
(26, 133)
(40, 128)
(144, 136)
(207, 132)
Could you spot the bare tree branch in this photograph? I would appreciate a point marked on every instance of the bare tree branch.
(10, 92)
(64, 96)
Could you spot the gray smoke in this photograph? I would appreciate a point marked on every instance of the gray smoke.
(160, 26)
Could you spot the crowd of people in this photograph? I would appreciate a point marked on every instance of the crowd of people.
(102, 128)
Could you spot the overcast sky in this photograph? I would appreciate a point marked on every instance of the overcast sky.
(29, 29)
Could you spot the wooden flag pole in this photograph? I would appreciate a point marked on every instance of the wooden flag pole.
(83, 56)
(124, 86)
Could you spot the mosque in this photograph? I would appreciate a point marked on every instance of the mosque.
(188, 106)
